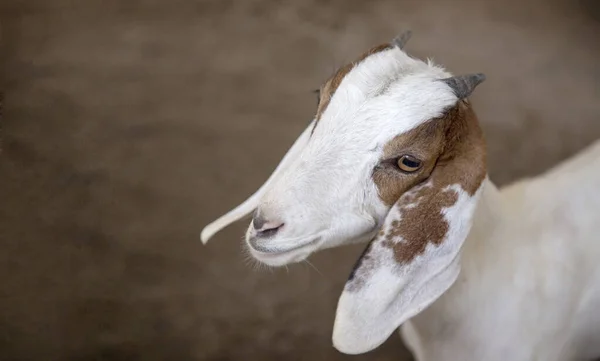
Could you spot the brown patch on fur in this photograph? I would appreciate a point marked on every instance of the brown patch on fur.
(374, 50)
(452, 150)
(420, 225)
(331, 85)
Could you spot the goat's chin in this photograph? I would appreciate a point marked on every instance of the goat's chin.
(283, 258)
(280, 257)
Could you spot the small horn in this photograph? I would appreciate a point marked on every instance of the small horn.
(463, 85)
(401, 40)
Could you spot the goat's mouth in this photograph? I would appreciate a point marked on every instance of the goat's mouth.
(282, 254)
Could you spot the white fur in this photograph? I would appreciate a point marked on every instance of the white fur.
(519, 281)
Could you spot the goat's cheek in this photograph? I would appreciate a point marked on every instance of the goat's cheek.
(389, 187)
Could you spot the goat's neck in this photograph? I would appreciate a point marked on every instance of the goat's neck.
(483, 241)
(488, 219)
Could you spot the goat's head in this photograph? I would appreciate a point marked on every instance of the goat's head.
(394, 155)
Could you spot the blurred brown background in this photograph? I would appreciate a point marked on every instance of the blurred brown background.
(128, 125)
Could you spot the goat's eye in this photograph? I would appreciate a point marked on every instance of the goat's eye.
(318, 93)
(408, 163)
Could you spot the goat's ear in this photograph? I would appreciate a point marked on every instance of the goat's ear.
(414, 258)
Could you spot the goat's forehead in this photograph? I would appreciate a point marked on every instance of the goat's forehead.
(381, 66)
(382, 95)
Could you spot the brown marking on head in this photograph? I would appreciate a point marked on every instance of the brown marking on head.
(452, 150)
(330, 86)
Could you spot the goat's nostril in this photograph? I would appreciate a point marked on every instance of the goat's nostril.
(265, 228)
(258, 222)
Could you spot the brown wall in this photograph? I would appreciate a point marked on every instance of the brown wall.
(128, 125)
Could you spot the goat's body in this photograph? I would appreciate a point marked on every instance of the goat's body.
(529, 288)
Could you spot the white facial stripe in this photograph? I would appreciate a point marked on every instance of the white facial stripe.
(388, 85)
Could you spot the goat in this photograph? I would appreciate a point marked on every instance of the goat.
(395, 158)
